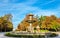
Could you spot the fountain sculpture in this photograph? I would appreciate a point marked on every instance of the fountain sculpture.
(30, 21)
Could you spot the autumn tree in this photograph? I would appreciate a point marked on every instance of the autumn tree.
(5, 22)
(49, 22)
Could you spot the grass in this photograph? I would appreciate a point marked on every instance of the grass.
(42, 31)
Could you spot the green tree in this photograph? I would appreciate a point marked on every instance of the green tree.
(41, 19)
(55, 25)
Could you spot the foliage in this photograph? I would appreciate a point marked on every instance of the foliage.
(55, 25)
(45, 23)
(6, 23)
(53, 35)
(49, 22)
(24, 36)
(44, 31)
(42, 18)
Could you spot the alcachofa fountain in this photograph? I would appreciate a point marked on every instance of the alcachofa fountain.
(28, 24)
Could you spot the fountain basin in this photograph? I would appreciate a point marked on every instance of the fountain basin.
(28, 34)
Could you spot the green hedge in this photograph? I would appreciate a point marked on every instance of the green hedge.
(25, 36)
(53, 35)
(31, 36)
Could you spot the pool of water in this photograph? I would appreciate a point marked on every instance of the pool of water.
(2, 36)
(55, 37)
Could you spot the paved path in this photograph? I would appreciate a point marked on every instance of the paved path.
(2, 36)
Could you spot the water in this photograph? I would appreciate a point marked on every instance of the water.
(2, 36)
(55, 37)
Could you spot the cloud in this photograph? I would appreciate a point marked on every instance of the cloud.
(45, 13)
(51, 1)
(20, 9)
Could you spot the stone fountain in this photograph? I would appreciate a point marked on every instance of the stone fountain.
(30, 21)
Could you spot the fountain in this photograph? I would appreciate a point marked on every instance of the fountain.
(30, 21)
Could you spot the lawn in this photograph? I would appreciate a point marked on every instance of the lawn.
(42, 31)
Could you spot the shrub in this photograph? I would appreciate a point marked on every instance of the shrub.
(53, 35)
(24, 36)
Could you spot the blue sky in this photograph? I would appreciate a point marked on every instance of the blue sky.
(19, 8)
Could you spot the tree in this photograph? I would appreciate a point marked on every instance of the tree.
(49, 22)
(41, 20)
(6, 23)
(53, 17)
(1, 27)
(8, 17)
(55, 25)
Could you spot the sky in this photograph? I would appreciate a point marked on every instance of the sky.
(19, 8)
